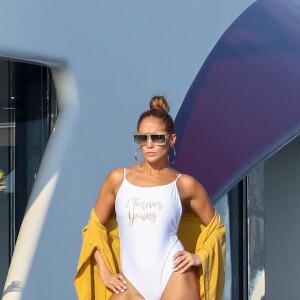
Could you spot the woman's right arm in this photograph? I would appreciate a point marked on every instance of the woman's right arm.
(104, 208)
(115, 282)
(105, 203)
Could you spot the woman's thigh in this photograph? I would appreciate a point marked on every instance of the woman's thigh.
(182, 286)
(126, 296)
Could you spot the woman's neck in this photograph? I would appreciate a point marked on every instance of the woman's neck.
(154, 167)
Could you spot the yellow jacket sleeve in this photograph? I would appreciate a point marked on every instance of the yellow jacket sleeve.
(87, 281)
(210, 247)
(209, 243)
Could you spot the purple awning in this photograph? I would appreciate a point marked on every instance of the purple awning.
(244, 103)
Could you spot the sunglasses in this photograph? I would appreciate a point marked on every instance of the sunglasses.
(157, 138)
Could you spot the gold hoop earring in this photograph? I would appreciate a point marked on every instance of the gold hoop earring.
(173, 156)
(136, 154)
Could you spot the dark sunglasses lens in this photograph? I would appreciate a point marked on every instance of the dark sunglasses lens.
(140, 139)
(158, 139)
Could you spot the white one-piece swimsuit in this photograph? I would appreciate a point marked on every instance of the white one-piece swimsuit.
(148, 220)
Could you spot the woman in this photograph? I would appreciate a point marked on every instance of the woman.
(148, 200)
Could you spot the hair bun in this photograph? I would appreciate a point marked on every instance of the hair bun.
(159, 102)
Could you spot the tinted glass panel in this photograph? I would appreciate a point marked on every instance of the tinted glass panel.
(28, 109)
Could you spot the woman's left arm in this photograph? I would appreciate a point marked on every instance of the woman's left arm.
(194, 198)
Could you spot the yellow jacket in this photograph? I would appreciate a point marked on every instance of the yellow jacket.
(206, 241)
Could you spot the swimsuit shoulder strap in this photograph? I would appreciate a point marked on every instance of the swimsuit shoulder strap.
(178, 177)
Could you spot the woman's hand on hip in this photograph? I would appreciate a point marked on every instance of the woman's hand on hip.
(115, 282)
(183, 260)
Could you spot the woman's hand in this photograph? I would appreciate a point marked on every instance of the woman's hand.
(183, 260)
(115, 282)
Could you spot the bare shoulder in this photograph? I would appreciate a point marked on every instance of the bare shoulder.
(115, 174)
(114, 178)
(194, 197)
(187, 180)
(188, 185)
(104, 205)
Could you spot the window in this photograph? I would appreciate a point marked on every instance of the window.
(28, 110)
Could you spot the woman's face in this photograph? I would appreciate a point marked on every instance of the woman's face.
(155, 151)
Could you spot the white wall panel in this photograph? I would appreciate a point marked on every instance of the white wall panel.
(110, 57)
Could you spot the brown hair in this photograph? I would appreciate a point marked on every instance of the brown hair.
(159, 108)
